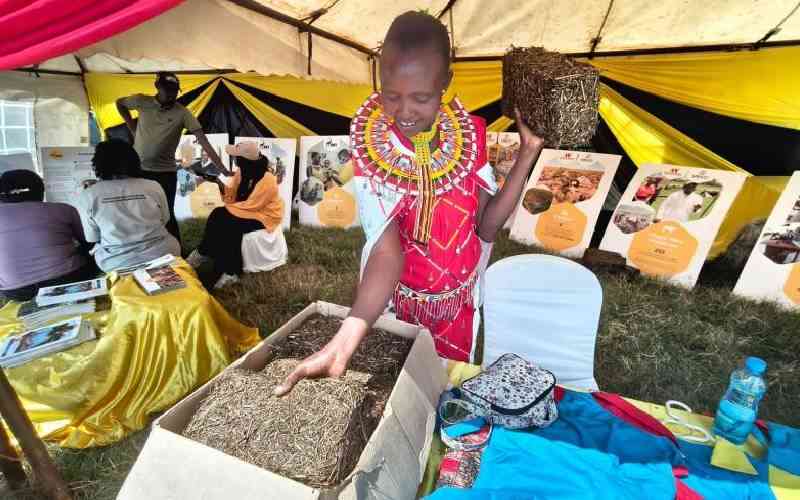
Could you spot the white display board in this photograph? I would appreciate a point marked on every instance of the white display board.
(280, 153)
(196, 198)
(773, 270)
(502, 149)
(668, 218)
(16, 161)
(327, 196)
(66, 171)
(579, 182)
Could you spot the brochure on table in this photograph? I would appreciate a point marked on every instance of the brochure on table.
(327, 196)
(281, 154)
(773, 270)
(66, 171)
(668, 218)
(196, 197)
(579, 182)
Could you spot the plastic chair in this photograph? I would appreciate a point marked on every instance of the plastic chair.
(545, 309)
(264, 251)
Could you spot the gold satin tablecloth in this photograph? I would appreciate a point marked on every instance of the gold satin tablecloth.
(150, 353)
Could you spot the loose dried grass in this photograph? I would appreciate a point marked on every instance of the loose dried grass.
(317, 432)
(557, 97)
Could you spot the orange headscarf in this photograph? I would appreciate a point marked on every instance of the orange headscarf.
(264, 204)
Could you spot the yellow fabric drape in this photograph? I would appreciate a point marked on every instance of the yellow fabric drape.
(647, 139)
(104, 89)
(279, 124)
(334, 97)
(150, 353)
(198, 105)
(476, 83)
(759, 86)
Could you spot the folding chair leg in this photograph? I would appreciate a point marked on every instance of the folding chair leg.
(43, 468)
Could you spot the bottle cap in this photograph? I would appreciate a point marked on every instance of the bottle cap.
(754, 365)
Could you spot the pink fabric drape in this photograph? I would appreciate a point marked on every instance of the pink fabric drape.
(34, 31)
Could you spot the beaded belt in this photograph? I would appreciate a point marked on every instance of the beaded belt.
(426, 308)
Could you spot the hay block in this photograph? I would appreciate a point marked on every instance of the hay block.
(557, 97)
(317, 432)
(311, 435)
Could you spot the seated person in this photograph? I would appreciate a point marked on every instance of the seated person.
(252, 203)
(41, 244)
(124, 214)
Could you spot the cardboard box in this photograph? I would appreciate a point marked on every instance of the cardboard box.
(171, 466)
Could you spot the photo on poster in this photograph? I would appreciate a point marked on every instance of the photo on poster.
(197, 192)
(562, 200)
(772, 270)
(280, 155)
(326, 195)
(781, 244)
(571, 185)
(676, 197)
(505, 155)
(668, 218)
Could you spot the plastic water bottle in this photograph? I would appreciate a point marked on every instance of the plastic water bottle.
(738, 410)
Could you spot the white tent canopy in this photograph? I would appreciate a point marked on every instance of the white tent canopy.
(241, 35)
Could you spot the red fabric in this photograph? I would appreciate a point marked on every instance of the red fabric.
(34, 31)
(683, 492)
(615, 404)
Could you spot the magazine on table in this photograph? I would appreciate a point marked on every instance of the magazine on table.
(160, 261)
(72, 292)
(33, 344)
(159, 279)
(33, 315)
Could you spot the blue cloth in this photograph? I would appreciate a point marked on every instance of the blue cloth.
(590, 453)
(784, 448)
(717, 483)
(523, 465)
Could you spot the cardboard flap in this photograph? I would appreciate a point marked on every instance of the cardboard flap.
(173, 467)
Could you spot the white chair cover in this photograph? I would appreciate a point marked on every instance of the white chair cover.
(545, 309)
(263, 250)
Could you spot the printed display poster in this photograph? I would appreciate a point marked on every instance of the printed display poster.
(773, 270)
(668, 217)
(502, 149)
(16, 161)
(280, 153)
(327, 195)
(579, 183)
(66, 171)
(196, 197)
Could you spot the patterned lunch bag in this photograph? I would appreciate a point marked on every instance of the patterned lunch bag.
(512, 392)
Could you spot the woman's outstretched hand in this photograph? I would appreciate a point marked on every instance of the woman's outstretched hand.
(332, 360)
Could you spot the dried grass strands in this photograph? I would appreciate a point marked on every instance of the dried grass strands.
(556, 96)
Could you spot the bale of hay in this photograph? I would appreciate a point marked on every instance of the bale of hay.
(556, 96)
(311, 435)
(317, 432)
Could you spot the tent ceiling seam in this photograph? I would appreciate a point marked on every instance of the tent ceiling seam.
(598, 36)
(447, 8)
(776, 29)
(258, 8)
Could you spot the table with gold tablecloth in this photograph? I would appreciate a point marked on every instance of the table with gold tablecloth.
(151, 351)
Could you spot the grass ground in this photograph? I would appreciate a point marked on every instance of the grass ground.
(656, 341)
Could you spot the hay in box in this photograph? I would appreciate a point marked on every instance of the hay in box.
(556, 96)
(317, 432)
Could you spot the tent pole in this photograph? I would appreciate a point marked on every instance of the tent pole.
(254, 6)
(599, 34)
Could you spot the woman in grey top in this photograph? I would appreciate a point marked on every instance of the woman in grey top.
(123, 213)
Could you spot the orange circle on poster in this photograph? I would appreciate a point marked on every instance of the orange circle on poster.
(561, 227)
(792, 286)
(663, 249)
(204, 199)
(337, 208)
